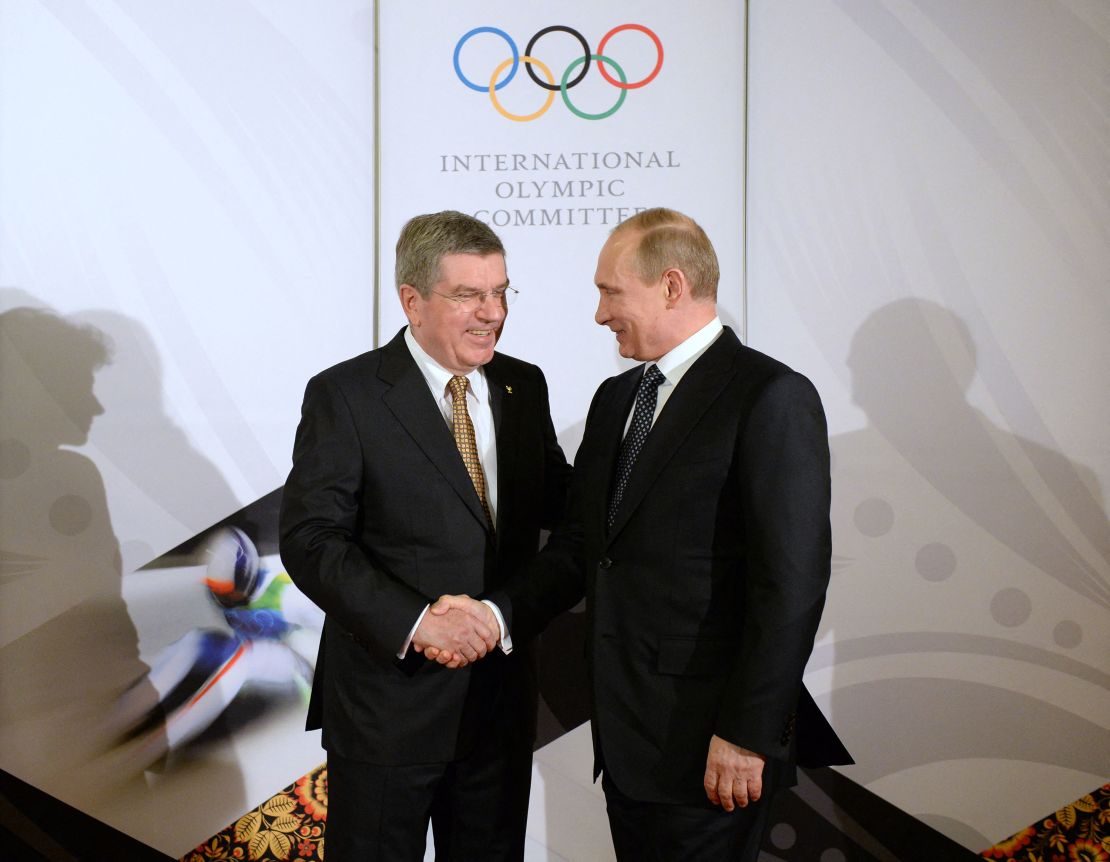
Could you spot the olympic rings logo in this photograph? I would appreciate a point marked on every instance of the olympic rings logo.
(567, 82)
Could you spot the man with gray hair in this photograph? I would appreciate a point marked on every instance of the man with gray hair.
(425, 467)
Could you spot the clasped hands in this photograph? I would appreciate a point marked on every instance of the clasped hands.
(456, 630)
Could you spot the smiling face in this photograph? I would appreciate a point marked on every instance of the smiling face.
(631, 307)
(458, 338)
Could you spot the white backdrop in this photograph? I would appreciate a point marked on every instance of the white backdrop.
(553, 187)
(929, 241)
(193, 181)
(194, 184)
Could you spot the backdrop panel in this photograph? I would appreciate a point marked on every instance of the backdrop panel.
(929, 217)
(554, 171)
(185, 212)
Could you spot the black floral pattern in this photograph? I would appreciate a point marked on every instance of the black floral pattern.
(1079, 832)
(290, 828)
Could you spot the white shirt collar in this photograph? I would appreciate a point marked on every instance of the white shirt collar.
(437, 376)
(677, 361)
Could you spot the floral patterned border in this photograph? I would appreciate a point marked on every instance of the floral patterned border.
(290, 828)
(1079, 832)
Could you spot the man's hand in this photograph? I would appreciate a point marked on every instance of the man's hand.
(733, 775)
(456, 630)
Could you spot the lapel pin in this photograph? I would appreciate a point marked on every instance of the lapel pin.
(509, 389)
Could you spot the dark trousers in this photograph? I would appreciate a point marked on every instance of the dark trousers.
(662, 832)
(478, 807)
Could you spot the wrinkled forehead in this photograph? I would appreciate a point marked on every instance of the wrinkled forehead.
(472, 270)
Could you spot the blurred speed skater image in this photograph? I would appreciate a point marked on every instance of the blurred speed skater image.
(268, 648)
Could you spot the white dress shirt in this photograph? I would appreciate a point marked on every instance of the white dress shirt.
(481, 417)
(675, 363)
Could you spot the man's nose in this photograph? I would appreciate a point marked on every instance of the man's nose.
(492, 308)
(602, 313)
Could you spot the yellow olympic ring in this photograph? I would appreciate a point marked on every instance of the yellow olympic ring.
(522, 118)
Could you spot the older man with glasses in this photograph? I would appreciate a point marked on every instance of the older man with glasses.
(422, 468)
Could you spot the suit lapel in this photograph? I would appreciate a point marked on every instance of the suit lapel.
(506, 423)
(610, 422)
(411, 403)
(700, 387)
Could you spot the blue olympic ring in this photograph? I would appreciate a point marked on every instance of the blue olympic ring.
(466, 37)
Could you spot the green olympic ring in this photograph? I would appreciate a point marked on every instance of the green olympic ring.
(599, 59)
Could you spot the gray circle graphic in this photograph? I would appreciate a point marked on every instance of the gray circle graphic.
(1011, 607)
(1068, 634)
(935, 561)
(783, 836)
(70, 515)
(874, 517)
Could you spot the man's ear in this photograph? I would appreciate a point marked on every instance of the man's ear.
(410, 303)
(675, 285)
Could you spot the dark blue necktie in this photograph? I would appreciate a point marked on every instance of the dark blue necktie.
(637, 433)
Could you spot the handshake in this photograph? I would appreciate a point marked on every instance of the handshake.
(456, 630)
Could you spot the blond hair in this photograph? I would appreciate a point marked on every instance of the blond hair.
(669, 239)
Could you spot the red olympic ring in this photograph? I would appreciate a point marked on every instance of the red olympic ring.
(636, 84)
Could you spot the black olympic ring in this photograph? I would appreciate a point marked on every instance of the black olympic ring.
(562, 29)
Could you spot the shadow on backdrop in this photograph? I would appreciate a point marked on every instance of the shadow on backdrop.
(69, 648)
(912, 362)
(141, 439)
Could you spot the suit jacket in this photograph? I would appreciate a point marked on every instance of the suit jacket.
(379, 518)
(703, 598)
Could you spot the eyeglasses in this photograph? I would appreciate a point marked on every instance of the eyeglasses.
(472, 300)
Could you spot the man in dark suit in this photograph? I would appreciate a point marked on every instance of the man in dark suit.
(698, 532)
(425, 467)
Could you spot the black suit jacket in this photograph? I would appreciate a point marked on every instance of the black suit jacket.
(379, 518)
(704, 598)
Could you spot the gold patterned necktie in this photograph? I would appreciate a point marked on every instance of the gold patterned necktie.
(464, 439)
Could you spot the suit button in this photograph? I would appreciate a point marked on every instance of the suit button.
(605, 563)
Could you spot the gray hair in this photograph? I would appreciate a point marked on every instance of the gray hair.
(426, 239)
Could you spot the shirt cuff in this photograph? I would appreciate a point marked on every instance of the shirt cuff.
(412, 632)
(506, 640)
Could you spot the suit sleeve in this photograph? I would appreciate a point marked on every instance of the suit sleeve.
(555, 580)
(783, 475)
(320, 513)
